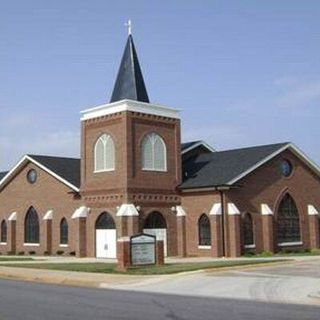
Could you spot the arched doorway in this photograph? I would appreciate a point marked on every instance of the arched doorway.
(106, 236)
(156, 225)
(288, 222)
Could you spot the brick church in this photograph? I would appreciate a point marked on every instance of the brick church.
(134, 175)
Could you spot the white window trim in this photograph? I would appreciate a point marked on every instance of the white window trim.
(249, 246)
(104, 170)
(108, 137)
(31, 244)
(288, 244)
(3, 243)
(204, 247)
(165, 169)
(63, 245)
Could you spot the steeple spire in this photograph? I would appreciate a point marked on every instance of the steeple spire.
(129, 83)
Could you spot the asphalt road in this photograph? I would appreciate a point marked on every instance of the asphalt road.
(22, 300)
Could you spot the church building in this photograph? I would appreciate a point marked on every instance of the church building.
(134, 175)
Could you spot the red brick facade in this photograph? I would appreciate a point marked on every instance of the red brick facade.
(154, 192)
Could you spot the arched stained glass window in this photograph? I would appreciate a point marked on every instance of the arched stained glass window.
(153, 153)
(104, 154)
(64, 231)
(155, 220)
(3, 232)
(105, 221)
(247, 229)
(204, 230)
(288, 223)
(31, 227)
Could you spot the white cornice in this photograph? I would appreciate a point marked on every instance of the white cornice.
(195, 145)
(23, 162)
(129, 105)
(290, 146)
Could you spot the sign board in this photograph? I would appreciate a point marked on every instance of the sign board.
(143, 249)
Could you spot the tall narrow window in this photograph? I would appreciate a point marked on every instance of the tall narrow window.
(3, 231)
(247, 229)
(153, 153)
(31, 227)
(204, 231)
(64, 231)
(288, 223)
(104, 154)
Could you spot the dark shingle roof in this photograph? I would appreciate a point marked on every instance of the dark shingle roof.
(66, 168)
(219, 168)
(2, 174)
(129, 83)
(186, 145)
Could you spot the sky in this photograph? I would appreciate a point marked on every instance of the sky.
(242, 72)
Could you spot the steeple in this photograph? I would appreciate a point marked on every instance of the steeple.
(129, 83)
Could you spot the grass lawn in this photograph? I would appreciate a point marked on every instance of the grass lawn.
(285, 253)
(151, 270)
(14, 259)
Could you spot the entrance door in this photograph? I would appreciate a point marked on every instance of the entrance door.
(155, 225)
(160, 234)
(106, 237)
(106, 243)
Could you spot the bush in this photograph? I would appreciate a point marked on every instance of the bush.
(72, 253)
(60, 252)
(20, 253)
(10, 253)
(266, 254)
(32, 253)
(46, 253)
(315, 251)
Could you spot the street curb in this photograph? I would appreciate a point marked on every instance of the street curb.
(57, 277)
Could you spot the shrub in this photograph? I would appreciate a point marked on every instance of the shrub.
(32, 252)
(46, 253)
(315, 251)
(60, 252)
(21, 253)
(72, 253)
(10, 253)
(266, 254)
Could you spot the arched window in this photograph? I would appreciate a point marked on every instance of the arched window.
(3, 231)
(288, 225)
(155, 220)
(31, 227)
(204, 231)
(105, 221)
(64, 231)
(153, 153)
(247, 229)
(104, 154)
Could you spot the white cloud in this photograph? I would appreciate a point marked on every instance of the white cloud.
(300, 96)
(21, 135)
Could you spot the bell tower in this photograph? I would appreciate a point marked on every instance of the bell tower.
(130, 150)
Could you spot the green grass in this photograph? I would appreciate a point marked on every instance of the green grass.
(284, 253)
(150, 270)
(15, 259)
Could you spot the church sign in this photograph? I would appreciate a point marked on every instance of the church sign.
(143, 249)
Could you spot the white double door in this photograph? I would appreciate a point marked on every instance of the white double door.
(160, 234)
(106, 243)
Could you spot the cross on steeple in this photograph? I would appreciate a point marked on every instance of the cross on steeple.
(129, 26)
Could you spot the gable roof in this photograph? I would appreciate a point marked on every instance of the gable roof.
(2, 174)
(188, 146)
(66, 170)
(129, 83)
(225, 168)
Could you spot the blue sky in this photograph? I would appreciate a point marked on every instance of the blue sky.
(242, 72)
